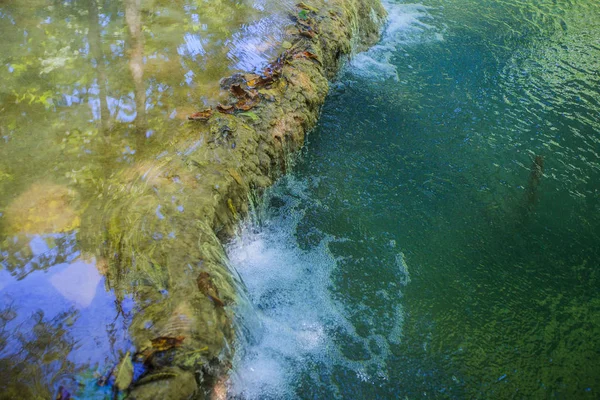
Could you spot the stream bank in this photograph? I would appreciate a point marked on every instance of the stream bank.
(237, 157)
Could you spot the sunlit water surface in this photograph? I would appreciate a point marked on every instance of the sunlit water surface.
(440, 236)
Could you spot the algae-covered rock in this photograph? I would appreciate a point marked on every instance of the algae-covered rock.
(43, 208)
(167, 216)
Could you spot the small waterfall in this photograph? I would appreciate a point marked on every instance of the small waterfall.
(292, 325)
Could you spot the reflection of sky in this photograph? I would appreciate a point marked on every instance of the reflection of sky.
(255, 44)
(249, 49)
(192, 46)
(69, 286)
(121, 109)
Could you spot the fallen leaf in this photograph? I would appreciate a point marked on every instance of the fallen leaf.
(234, 79)
(155, 377)
(237, 91)
(286, 45)
(308, 33)
(234, 174)
(249, 77)
(291, 31)
(303, 14)
(306, 23)
(203, 115)
(253, 82)
(265, 81)
(225, 109)
(306, 54)
(232, 209)
(250, 114)
(305, 6)
(208, 288)
(247, 104)
(164, 343)
(124, 373)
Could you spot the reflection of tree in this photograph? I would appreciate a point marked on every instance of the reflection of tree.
(71, 71)
(95, 41)
(133, 16)
(33, 355)
(20, 261)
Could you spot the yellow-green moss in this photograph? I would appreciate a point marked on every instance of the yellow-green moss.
(238, 154)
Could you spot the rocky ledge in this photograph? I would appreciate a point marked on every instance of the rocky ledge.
(183, 328)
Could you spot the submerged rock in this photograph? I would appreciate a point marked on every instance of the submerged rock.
(42, 208)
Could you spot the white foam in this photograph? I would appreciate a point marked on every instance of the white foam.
(405, 26)
(297, 317)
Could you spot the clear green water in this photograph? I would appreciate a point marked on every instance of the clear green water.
(413, 253)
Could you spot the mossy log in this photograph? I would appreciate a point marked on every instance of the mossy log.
(167, 219)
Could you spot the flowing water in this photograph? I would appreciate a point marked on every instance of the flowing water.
(440, 235)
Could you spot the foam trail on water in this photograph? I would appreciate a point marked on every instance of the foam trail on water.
(299, 325)
(405, 26)
(300, 334)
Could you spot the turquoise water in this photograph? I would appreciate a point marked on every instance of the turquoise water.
(439, 237)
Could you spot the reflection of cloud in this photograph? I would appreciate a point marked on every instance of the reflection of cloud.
(38, 246)
(77, 282)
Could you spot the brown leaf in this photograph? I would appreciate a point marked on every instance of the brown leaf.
(265, 81)
(225, 109)
(237, 91)
(203, 115)
(309, 24)
(242, 93)
(247, 104)
(308, 33)
(306, 54)
(164, 343)
(306, 7)
(208, 288)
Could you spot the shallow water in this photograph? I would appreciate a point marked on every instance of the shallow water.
(94, 99)
(439, 236)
